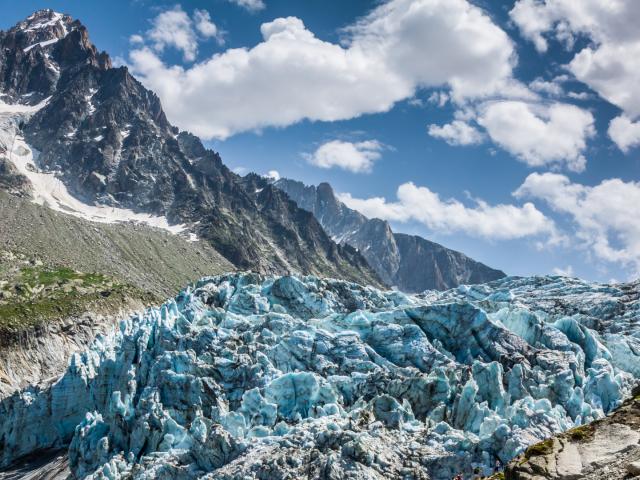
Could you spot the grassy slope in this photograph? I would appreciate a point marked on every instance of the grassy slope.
(147, 258)
(32, 294)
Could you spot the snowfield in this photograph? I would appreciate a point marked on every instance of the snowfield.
(243, 376)
(48, 189)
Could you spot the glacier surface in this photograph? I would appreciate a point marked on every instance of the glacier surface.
(245, 376)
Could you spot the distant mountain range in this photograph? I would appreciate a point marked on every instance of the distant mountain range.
(408, 262)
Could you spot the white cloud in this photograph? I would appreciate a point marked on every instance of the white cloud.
(564, 272)
(439, 98)
(624, 133)
(251, 5)
(457, 132)
(553, 88)
(540, 135)
(606, 216)
(205, 26)
(174, 28)
(499, 222)
(292, 75)
(614, 72)
(273, 175)
(356, 157)
(136, 39)
(610, 65)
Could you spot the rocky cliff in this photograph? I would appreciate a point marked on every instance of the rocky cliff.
(409, 262)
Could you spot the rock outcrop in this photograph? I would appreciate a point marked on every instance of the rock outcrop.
(408, 262)
(608, 448)
(244, 376)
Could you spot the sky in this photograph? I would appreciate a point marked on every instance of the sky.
(508, 130)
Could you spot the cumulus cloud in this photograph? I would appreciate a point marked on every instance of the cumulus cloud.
(610, 65)
(204, 25)
(624, 133)
(540, 134)
(498, 222)
(552, 88)
(355, 157)
(174, 28)
(250, 5)
(457, 132)
(614, 72)
(292, 75)
(606, 217)
(273, 175)
(564, 272)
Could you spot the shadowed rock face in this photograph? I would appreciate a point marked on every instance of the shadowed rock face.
(110, 140)
(244, 376)
(408, 262)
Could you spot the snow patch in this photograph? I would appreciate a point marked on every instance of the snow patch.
(91, 109)
(49, 190)
(42, 44)
(55, 18)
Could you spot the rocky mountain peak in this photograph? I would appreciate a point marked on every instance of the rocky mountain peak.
(38, 51)
(411, 263)
(107, 139)
(44, 25)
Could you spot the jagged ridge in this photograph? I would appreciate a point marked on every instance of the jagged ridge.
(408, 262)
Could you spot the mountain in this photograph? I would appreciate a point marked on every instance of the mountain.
(249, 377)
(408, 262)
(88, 139)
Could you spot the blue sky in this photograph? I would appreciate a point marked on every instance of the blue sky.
(507, 130)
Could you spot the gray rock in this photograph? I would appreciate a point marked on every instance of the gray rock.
(409, 262)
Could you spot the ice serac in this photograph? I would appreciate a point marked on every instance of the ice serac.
(409, 262)
(245, 376)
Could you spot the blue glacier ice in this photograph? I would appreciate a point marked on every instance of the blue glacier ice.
(245, 376)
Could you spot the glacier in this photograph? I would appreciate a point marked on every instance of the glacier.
(248, 376)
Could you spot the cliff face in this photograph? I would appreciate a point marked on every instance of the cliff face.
(105, 137)
(409, 262)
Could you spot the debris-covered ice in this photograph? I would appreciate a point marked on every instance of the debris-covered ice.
(243, 376)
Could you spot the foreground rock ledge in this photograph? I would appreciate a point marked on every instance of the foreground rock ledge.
(244, 376)
(605, 449)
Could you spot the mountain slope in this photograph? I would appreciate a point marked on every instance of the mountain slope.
(409, 262)
(148, 258)
(108, 141)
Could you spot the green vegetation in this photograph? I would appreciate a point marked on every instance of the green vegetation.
(541, 448)
(581, 433)
(32, 294)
